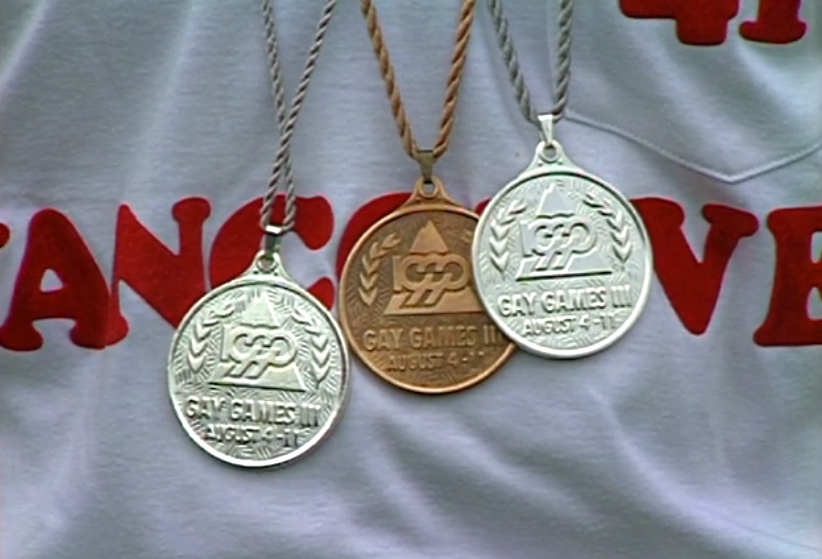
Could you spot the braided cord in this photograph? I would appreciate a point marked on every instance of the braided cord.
(509, 56)
(466, 19)
(287, 120)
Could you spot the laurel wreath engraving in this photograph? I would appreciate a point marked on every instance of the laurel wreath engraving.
(371, 265)
(615, 218)
(320, 347)
(198, 341)
(498, 243)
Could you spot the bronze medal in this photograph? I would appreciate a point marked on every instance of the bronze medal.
(408, 305)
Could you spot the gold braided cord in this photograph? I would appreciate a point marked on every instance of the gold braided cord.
(466, 19)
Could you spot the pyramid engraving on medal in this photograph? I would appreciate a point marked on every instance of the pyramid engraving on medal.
(559, 242)
(431, 279)
(257, 352)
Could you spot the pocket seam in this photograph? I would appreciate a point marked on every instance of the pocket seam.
(729, 178)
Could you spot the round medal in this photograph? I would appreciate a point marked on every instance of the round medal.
(561, 259)
(407, 299)
(258, 370)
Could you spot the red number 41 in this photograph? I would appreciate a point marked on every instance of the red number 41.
(705, 22)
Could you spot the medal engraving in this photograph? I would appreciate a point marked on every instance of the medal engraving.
(562, 262)
(408, 305)
(258, 371)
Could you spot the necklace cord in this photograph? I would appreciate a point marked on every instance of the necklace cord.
(287, 120)
(425, 158)
(509, 55)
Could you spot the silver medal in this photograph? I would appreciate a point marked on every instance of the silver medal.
(561, 259)
(258, 370)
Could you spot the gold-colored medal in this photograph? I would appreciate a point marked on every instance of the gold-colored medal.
(408, 305)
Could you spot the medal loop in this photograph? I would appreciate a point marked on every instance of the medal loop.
(546, 126)
(273, 237)
(550, 150)
(426, 160)
(268, 260)
(426, 191)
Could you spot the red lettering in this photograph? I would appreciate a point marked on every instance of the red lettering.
(323, 289)
(148, 266)
(691, 286)
(698, 22)
(796, 275)
(238, 240)
(482, 205)
(777, 22)
(363, 219)
(5, 235)
(54, 244)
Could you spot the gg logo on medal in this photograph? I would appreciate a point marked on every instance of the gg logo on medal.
(562, 262)
(408, 304)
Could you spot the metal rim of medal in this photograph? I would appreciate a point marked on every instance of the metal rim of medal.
(336, 414)
(552, 161)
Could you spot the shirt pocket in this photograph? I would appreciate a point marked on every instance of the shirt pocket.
(730, 111)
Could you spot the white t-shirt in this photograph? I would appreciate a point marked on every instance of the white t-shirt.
(135, 139)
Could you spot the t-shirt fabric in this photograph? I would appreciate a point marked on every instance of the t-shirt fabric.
(136, 139)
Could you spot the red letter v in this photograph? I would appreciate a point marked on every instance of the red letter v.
(692, 286)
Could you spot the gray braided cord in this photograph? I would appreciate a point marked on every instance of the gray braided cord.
(278, 91)
(566, 16)
(287, 122)
(509, 55)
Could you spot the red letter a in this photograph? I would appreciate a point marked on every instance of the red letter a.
(692, 286)
(54, 244)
